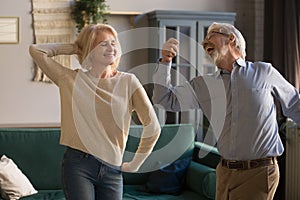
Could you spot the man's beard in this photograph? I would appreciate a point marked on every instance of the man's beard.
(214, 56)
(217, 56)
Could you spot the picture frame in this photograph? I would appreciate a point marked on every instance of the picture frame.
(9, 30)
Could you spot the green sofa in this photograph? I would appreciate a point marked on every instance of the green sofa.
(36, 151)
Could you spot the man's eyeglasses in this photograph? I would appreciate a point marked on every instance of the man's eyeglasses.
(212, 33)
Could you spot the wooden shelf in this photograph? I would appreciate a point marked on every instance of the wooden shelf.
(31, 125)
(130, 14)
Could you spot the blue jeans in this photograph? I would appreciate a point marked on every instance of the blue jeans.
(86, 178)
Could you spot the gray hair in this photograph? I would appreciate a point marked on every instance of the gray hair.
(226, 28)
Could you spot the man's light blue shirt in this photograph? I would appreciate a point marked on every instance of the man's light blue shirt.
(239, 104)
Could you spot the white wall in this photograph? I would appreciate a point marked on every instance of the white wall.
(23, 101)
(27, 103)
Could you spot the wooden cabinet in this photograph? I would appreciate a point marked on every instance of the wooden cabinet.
(189, 28)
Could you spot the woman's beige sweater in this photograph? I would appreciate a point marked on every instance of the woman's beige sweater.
(96, 113)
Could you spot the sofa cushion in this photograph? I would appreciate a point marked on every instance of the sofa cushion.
(169, 179)
(13, 183)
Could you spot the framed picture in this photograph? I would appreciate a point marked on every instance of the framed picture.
(9, 30)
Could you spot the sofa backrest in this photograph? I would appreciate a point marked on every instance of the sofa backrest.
(36, 151)
(175, 142)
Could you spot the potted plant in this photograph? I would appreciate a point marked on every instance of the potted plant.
(85, 12)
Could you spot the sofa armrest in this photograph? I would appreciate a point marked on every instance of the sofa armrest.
(201, 179)
(206, 154)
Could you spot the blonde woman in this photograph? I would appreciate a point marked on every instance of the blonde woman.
(96, 106)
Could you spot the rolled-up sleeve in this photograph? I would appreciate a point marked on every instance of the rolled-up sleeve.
(177, 98)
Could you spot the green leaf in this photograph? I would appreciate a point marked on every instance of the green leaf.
(85, 12)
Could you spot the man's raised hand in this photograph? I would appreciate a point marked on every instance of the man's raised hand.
(169, 50)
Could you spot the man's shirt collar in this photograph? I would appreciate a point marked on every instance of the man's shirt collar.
(240, 62)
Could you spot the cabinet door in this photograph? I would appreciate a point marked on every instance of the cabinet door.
(184, 65)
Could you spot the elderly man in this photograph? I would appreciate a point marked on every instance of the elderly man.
(248, 141)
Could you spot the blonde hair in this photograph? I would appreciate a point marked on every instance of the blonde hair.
(226, 28)
(86, 41)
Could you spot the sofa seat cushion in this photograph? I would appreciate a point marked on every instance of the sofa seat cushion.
(46, 195)
(133, 192)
